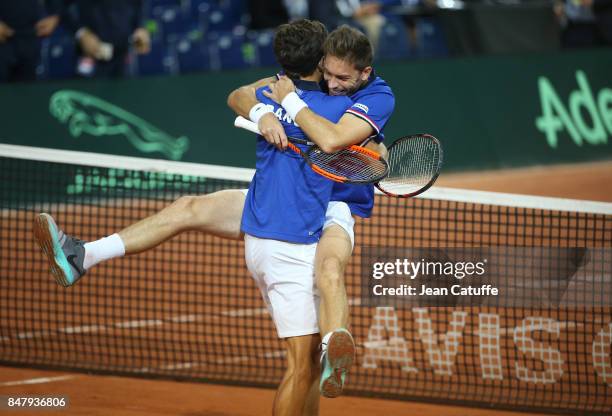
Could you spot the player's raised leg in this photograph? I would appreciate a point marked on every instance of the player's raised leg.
(338, 347)
(69, 258)
(218, 213)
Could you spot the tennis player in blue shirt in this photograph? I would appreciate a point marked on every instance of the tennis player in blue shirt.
(283, 218)
(347, 70)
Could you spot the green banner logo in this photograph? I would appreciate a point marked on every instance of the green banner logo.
(86, 114)
(589, 117)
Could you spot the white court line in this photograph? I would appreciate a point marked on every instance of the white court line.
(274, 354)
(237, 313)
(227, 360)
(233, 360)
(354, 301)
(34, 334)
(98, 328)
(139, 324)
(178, 366)
(82, 329)
(186, 318)
(41, 380)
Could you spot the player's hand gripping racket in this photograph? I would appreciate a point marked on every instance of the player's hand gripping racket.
(414, 165)
(355, 164)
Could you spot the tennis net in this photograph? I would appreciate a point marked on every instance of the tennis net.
(189, 310)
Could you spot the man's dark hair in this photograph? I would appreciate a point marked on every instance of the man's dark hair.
(298, 46)
(349, 44)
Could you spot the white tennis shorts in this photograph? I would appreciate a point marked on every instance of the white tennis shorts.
(339, 213)
(284, 273)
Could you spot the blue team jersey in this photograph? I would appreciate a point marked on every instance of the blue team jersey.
(374, 104)
(287, 200)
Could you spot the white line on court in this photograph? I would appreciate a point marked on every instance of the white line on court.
(354, 301)
(227, 360)
(237, 313)
(134, 324)
(274, 354)
(139, 324)
(186, 318)
(41, 380)
(82, 329)
(233, 360)
(178, 366)
(33, 334)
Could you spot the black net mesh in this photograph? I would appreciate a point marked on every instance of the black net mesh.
(188, 309)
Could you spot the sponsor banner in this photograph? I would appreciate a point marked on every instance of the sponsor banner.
(489, 112)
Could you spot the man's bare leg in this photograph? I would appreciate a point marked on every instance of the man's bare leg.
(292, 397)
(338, 348)
(218, 214)
(333, 253)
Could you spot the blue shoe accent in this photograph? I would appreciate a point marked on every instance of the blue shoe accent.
(64, 253)
(58, 253)
(337, 359)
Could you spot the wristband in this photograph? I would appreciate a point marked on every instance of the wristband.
(293, 104)
(258, 111)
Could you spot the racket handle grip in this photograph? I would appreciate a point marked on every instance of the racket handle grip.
(246, 124)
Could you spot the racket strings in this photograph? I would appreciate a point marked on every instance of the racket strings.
(412, 165)
(350, 164)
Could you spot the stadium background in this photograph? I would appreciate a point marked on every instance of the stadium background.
(489, 111)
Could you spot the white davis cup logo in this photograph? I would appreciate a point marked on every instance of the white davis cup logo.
(491, 338)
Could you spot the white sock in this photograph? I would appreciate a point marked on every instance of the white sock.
(103, 249)
(324, 342)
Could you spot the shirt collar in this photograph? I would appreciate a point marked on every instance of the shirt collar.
(307, 85)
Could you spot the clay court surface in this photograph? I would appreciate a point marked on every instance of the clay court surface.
(97, 395)
(589, 181)
(108, 395)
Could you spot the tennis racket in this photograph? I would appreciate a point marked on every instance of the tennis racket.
(355, 164)
(414, 165)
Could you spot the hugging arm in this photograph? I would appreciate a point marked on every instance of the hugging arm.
(243, 101)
